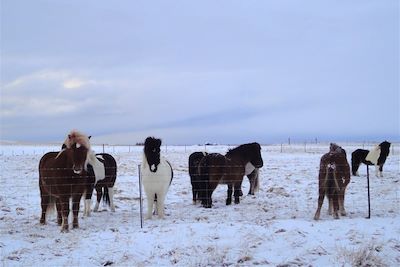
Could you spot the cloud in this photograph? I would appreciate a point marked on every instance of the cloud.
(74, 83)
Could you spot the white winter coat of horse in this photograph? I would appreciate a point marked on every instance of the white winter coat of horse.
(157, 176)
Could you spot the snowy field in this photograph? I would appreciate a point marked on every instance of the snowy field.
(273, 228)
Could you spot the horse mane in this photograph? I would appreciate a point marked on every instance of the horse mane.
(241, 148)
(76, 137)
(335, 148)
(385, 148)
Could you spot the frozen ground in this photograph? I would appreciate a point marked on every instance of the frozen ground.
(273, 228)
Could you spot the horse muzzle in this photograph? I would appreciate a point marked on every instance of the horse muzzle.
(77, 170)
(258, 165)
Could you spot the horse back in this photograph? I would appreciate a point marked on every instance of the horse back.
(359, 155)
(335, 163)
(213, 166)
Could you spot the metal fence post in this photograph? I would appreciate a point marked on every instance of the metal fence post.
(369, 199)
(140, 197)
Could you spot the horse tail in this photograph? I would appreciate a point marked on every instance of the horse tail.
(51, 207)
(355, 162)
(203, 178)
(172, 172)
(257, 181)
(331, 183)
(106, 196)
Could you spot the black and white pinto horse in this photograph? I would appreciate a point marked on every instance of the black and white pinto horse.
(105, 187)
(251, 172)
(376, 156)
(157, 176)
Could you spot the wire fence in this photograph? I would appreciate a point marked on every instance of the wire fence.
(288, 187)
(305, 147)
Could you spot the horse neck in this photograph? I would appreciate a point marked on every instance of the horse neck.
(144, 161)
(237, 158)
(63, 160)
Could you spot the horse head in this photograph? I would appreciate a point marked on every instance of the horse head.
(334, 148)
(77, 146)
(255, 153)
(152, 152)
(385, 148)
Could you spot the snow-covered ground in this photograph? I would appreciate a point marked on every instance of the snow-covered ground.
(275, 227)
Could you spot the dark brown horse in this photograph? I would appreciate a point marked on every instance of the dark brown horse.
(63, 176)
(217, 169)
(251, 172)
(334, 176)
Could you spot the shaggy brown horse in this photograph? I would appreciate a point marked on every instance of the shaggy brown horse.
(334, 176)
(217, 169)
(63, 176)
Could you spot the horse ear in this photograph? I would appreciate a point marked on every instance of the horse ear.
(90, 136)
(158, 142)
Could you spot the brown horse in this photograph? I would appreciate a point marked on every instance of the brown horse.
(63, 176)
(217, 169)
(334, 176)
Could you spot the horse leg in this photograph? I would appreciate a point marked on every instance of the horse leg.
(330, 207)
(194, 194)
(380, 170)
(160, 205)
(335, 205)
(320, 202)
(76, 198)
(209, 190)
(64, 204)
(376, 170)
(99, 194)
(111, 195)
(229, 196)
(59, 212)
(237, 188)
(45, 199)
(341, 202)
(150, 203)
(88, 200)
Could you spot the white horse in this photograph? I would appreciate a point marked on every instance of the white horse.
(157, 176)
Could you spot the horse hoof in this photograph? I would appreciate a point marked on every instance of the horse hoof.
(228, 202)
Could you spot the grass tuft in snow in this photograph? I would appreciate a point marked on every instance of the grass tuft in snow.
(365, 256)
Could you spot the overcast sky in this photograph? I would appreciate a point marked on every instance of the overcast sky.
(200, 71)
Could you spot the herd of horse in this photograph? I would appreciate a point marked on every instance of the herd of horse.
(76, 171)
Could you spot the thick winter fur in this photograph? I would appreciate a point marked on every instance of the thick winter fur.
(157, 176)
(63, 176)
(76, 137)
(105, 187)
(376, 156)
(334, 176)
(194, 160)
(217, 169)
